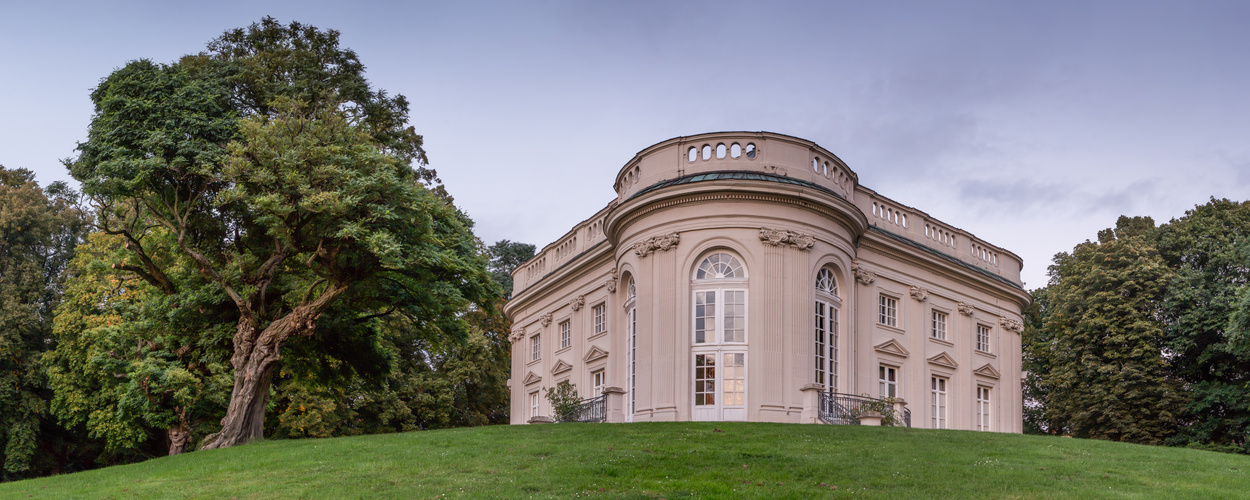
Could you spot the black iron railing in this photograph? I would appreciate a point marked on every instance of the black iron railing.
(590, 410)
(845, 409)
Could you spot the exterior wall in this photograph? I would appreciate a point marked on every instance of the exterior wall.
(786, 213)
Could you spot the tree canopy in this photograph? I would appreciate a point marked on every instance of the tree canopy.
(282, 178)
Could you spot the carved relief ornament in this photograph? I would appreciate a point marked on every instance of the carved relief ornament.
(862, 275)
(611, 283)
(1011, 325)
(778, 237)
(919, 293)
(966, 309)
(661, 243)
(518, 333)
(577, 302)
(546, 319)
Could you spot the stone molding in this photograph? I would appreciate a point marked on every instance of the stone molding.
(919, 293)
(594, 353)
(662, 243)
(1011, 325)
(892, 347)
(577, 302)
(531, 378)
(778, 237)
(561, 367)
(546, 319)
(988, 371)
(944, 360)
(518, 333)
(862, 275)
(966, 309)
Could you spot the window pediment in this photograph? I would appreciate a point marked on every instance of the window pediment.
(561, 367)
(594, 353)
(531, 378)
(892, 347)
(944, 360)
(987, 371)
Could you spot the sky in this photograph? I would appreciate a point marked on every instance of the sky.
(1029, 124)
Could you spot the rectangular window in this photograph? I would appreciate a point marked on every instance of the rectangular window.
(833, 349)
(735, 316)
(704, 317)
(533, 404)
(596, 382)
(536, 348)
(735, 379)
(704, 379)
(601, 318)
(888, 311)
(983, 338)
(566, 334)
(887, 378)
(938, 407)
(983, 408)
(938, 330)
(821, 344)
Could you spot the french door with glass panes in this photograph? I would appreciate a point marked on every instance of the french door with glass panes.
(720, 384)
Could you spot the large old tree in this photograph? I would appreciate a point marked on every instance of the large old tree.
(289, 184)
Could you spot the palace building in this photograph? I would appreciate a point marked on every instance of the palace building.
(749, 276)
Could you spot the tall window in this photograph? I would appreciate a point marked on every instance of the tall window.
(983, 338)
(826, 330)
(887, 381)
(718, 337)
(938, 325)
(938, 407)
(631, 354)
(983, 408)
(600, 313)
(533, 404)
(536, 348)
(566, 334)
(596, 383)
(720, 301)
(888, 311)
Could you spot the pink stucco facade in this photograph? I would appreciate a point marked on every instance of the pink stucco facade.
(809, 280)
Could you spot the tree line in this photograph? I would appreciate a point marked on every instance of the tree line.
(259, 249)
(1143, 335)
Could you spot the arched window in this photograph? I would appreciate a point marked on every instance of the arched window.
(825, 330)
(719, 337)
(719, 266)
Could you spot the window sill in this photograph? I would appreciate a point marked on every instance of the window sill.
(889, 328)
(597, 335)
(533, 362)
(562, 349)
(986, 354)
(946, 343)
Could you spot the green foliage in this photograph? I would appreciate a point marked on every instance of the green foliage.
(1200, 313)
(38, 231)
(506, 256)
(564, 398)
(133, 363)
(1103, 342)
(669, 460)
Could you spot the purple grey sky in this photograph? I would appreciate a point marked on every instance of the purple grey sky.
(1030, 125)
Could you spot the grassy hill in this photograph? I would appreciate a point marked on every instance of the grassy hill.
(668, 460)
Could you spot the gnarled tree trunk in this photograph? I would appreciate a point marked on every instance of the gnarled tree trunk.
(255, 353)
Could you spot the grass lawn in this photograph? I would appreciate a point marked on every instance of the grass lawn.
(668, 460)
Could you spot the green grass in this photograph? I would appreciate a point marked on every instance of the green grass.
(668, 460)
